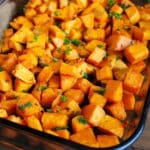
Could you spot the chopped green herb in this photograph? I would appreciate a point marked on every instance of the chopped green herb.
(114, 14)
(100, 91)
(55, 59)
(58, 49)
(16, 97)
(68, 50)
(56, 13)
(76, 42)
(82, 120)
(63, 98)
(117, 57)
(100, 46)
(43, 65)
(1, 69)
(85, 75)
(76, 113)
(42, 88)
(48, 110)
(148, 1)
(36, 38)
(67, 41)
(61, 128)
(125, 6)
(127, 28)
(111, 2)
(28, 104)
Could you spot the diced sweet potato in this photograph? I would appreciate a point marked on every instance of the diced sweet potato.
(45, 74)
(139, 107)
(5, 81)
(118, 42)
(3, 113)
(117, 110)
(41, 19)
(105, 73)
(94, 34)
(114, 91)
(93, 113)
(21, 86)
(15, 119)
(54, 81)
(79, 123)
(85, 137)
(138, 67)
(97, 99)
(28, 106)
(63, 134)
(137, 33)
(53, 120)
(67, 82)
(111, 125)
(136, 53)
(82, 3)
(128, 100)
(133, 14)
(88, 20)
(24, 74)
(75, 94)
(47, 96)
(116, 8)
(106, 141)
(96, 56)
(71, 54)
(33, 122)
(133, 81)
(82, 84)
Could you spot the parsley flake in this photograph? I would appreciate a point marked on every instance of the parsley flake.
(48, 110)
(28, 104)
(85, 75)
(63, 98)
(114, 14)
(100, 46)
(42, 88)
(82, 120)
(56, 13)
(76, 42)
(111, 2)
(61, 128)
(1, 69)
(124, 6)
(100, 91)
(68, 50)
(67, 41)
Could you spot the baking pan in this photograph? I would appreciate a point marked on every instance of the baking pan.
(26, 138)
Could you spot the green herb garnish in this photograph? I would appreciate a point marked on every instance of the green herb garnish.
(114, 14)
(16, 97)
(67, 41)
(100, 46)
(82, 120)
(125, 6)
(28, 104)
(61, 128)
(76, 42)
(36, 38)
(100, 91)
(68, 50)
(58, 49)
(111, 2)
(48, 110)
(85, 75)
(63, 98)
(55, 59)
(56, 13)
(1, 69)
(127, 28)
(42, 88)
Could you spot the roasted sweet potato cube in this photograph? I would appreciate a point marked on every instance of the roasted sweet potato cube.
(75, 94)
(105, 73)
(138, 67)
(97, 99)
(114, 91)
(82, 3)
(137, 33)
(45, 74)
(133, 81)
(118, 42)
(24, 74)
(34, 122)
(133, 14)
(67, 82)
(117, 110)
(5, 81)
(3, 113)
(136, 53)
(116, 8)
(71, 54)
(82, 84)
(85, 137)
(54, 120)
(128, 100)
(111, 125)
(29, 13)
(63, 134)
(28, 106)
(93, 113)
(15, 119)
(96, 56)
(94, 34)
(47, 96)
(88, 20)
(21, 86)
(139, 107)
(41, 19)
(8, 32)
(106, 141)
(79, 123)
(54, 82)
